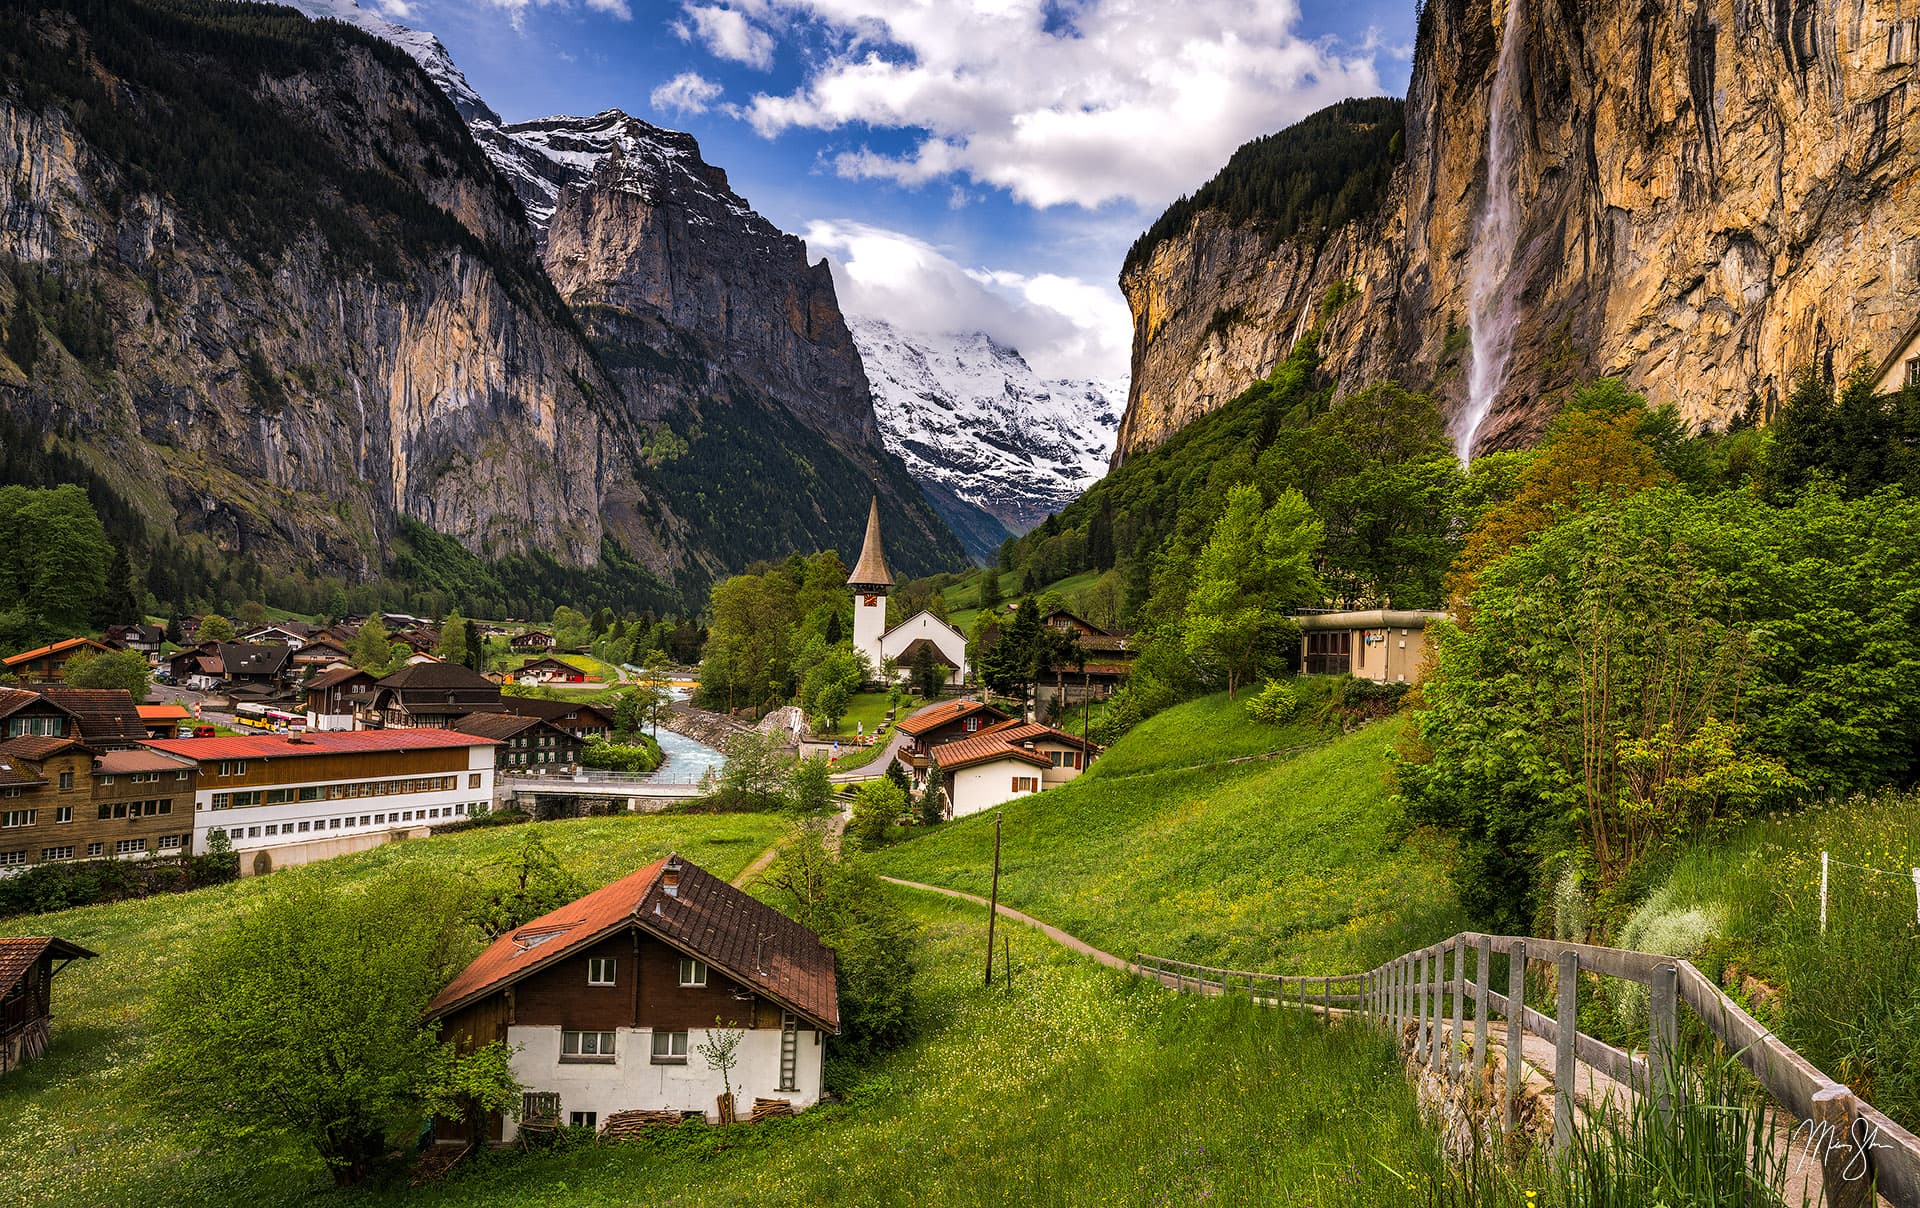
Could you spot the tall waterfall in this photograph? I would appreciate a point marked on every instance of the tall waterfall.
(1492, 309)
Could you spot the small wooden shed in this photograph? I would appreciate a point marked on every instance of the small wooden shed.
(27, 967)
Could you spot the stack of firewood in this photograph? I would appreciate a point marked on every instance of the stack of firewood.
(767, 1109)
(621, 1125)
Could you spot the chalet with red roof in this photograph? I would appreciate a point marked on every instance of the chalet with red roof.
(998, 762)
(27, 968)
(606, 1001)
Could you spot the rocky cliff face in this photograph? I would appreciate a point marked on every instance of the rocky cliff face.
(655, 250)
(1710, 195)
(315, 328)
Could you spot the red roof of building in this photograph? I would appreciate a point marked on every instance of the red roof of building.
(17, 955)
(745, 939)
(57, 648)
(1004, 740)
(937, 715)
(338, 742)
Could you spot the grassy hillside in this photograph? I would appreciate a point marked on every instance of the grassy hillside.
(1074, 1087)
(73, 1127)
(1288, 865)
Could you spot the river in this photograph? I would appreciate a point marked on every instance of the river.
(687, 757)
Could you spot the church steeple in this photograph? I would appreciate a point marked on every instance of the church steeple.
(871, 571)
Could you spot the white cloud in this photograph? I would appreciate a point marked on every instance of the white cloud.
(1134, 99)
(727, 33)
(1065, 327)
(688, 92)
(395, 10)
(516, 10)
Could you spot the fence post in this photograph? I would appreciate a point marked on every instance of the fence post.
(1459, 985)
(1436, 1042)
(1516, 1025)
(1482, 970)
(1663, 1033)
(1422, 966)
(1326, 1000)
(1823, 893)
(1835, 1110)
(1567, 1023)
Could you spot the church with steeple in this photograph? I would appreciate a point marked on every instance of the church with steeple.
(870, 583)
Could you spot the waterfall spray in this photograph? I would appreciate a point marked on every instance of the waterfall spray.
(1491, 309)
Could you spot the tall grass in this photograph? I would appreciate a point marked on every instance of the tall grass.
(1849, 999)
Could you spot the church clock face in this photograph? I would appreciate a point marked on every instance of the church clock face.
(872, 601)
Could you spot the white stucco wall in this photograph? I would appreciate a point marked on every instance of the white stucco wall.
(869, 622)
(397, 811)
(985, 785)
(944, 637)
(631, 1081)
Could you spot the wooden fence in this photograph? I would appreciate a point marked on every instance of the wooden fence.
(1424, 988)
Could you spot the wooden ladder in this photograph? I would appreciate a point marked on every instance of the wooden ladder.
(789, 1052)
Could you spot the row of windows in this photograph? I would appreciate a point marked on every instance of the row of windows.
(603, 971)
(1065, 759)
(342, 792)
(156, 808)
(669, 1048)
(276, 829)
(121, 847)
(40, 727)
(135, 809)
(66, 778)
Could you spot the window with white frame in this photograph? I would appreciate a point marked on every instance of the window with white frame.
(12, 857)
(129, 847)
(233, 767)
(95, 849)
(57, 853)
(66, 780)
(583, 1119)
(669, 1048)
(19, 817)
(170, 842)
(63, 813)
(600, 970)
(692, 972)
(586, 1046)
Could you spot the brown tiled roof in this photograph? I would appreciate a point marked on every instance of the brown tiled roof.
(742, 937)
(551, 710)
(106, 715)
(12, 700)
(984, 748)
(871, 570)
(497, 725)
(437, 677)
(16, 772)
(339, 675)
(17, 955)
(934, 716)
(37, 747)
(116, 763)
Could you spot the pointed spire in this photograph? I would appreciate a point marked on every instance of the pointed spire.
(871, 570)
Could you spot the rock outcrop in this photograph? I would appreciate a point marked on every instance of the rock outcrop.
(1712, 195)
(292, 377)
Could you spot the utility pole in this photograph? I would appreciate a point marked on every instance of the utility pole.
(993, 902)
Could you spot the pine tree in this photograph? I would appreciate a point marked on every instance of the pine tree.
(933, 808)
(990, 588)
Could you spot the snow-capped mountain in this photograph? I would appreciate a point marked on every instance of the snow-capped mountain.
(969, 413)
(424, 47)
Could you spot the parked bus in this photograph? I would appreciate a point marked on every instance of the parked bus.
(259, 717)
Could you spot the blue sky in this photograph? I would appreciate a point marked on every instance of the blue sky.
(964, 165)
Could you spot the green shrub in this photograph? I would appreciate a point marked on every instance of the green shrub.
(640, 754)
(1273, 704)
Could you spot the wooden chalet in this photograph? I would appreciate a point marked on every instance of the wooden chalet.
(605, 1002)
(533, 641)
(107, 718)
(945, 721)
(577, 718)
(526, 743)
(318, 654)
(335, 698)
(550, 670)
(47, 664)
(28, 965)
(145, 639)
(429, 696)
(1108, 661)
